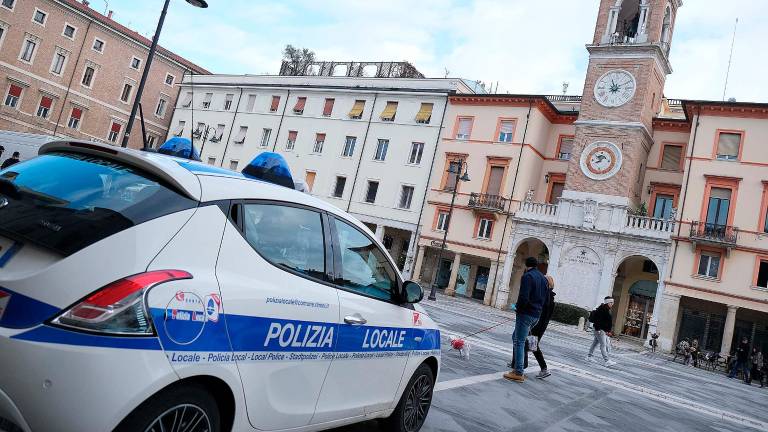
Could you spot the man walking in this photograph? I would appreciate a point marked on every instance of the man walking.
(13, 160)
(742, 360)
(602, 320)
(530, 302)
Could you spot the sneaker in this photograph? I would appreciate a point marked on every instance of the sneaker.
(588, 359)
(514, 376)
(543, 374)
(610, 363)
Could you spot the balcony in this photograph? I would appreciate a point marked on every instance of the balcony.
(714, 234)
(487, 202)
(649, 227)
(541, 212)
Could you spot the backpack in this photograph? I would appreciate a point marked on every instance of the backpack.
(592, 316)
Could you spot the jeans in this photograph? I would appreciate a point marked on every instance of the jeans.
(523, 325)
(740, 365)
(600, 339)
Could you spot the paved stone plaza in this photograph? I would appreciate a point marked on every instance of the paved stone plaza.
(641, 393)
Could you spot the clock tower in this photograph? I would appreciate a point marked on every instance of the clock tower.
(628, 65)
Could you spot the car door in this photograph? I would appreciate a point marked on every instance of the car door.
(282, 312)
(375, 332)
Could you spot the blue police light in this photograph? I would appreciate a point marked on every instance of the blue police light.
(270, 167)
(179, 147)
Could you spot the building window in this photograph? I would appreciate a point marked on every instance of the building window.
(88, 74)
(349, 146)
(309, 179)
(211, 160)
(417, 150)
(556, 192)
(169, 79)
(114, 132)
(381, 150)
(442, 220)
(319, 141)
(207, 100)
(59, 58)
(450, 175)
(13, 96)
(151, 140)
(28, 50)
(161, 106)
(406, 195)
(762, 273)
(265, 133)
(219, 134)
(233, 165)
(485, 228)
(8, 4)
(228, 101)
(709, 264)
(291, 142)
(135, 63)
(180, 128)
(357, 110)
(370, 194)
(565, 148)
(39, 17)
(126, 94)
(69, 31)
(506, 131)
(390, 110)
(251, 103)
(662, 206)
(672, 157)
(328, 107)
(495, 179)
(187, 101)
(274, 104)
(463, 128)
(425, 113)
(241, 134)
(299, 107)
(2, 33)
(338, 187)
(45, 107)
(98, 45)
(728, 145)
(75, 118)
(718, 207)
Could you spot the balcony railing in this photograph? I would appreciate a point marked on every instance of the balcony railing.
(714, 233)
(645, 223)
(487, 201)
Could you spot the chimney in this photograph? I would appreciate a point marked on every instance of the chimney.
(109, 15)
(86, 3)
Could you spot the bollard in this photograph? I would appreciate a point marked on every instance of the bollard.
(581, 323)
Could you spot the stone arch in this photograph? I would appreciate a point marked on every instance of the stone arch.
(629, 255)
(519, 242)
(522, 248)
(635, 288)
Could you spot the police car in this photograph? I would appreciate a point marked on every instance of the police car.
(142, 292)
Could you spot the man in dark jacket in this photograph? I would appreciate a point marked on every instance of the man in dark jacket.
(742, 360)
(530, 302)
(602, 323)
(13, 160)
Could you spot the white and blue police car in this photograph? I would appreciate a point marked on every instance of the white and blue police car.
(142, 292)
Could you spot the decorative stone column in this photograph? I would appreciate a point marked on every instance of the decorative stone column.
(416, 275)
(730, 325)
(502, 283)
(489, 287)
(657, 301)
(409, 264)
(670, 308)
(613, 18)
(607, 276)
(451, 288)
(620, 309)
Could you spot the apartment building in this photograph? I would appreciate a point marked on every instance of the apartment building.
(363, 144)
(67, 70)
(659, 203)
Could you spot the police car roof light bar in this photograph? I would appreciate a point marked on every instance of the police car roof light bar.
(270, 167)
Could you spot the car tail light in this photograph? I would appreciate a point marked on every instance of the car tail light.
(118, 308)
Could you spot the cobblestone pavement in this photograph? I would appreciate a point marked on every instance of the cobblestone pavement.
(643, 392)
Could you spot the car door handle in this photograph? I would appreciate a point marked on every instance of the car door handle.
(355, 319)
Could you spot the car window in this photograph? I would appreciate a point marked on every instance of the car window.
(289, 237)
(364, 267)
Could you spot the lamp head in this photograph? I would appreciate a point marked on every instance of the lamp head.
(198, 3)
(465, 177)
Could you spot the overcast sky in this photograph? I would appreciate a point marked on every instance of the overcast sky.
(527, 46)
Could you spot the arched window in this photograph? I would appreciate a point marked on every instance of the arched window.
(628, 23)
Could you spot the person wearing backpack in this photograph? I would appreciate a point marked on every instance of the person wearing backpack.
(602, 321)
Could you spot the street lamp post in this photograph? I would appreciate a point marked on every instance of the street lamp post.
(147, 65)
(454, 168)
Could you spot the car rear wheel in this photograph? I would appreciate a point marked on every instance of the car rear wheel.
(411, 411)
(187, 408)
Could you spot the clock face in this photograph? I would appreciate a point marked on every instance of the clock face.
(601, 160)
(615, 88)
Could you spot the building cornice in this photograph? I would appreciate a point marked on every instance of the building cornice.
(632, 51)
(617, 124)
(540, 102)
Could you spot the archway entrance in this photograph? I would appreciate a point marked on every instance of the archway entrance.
(528, 247)
(634, 292)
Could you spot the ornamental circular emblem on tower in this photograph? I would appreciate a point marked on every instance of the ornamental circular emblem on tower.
(615, 88)
(601, 160)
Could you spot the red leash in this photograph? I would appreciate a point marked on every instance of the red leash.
(458, 343)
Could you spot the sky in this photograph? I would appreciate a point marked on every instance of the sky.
(523, 46)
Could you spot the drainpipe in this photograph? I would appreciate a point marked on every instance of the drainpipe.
(282, 116)
(229, 136)
(684, 194)
(412, 248)
(71, 77)
(362, 150)
(509, 204)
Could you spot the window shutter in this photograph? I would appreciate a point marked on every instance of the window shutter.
(15, 90)
(357, 109)
(251, 103)
(425, 113)
(320, 137)
(671, 157)
(720, 193)
(292, 135)
(494, 180)
(566, 145)
(728, 145)
(240, 138)
(77, 113)
(115, 127)
(328, 107)
(507, 127)
(389, 111)
(300, 102)
(465, 126)
(46, 102)
(275, 103)
(187, 100)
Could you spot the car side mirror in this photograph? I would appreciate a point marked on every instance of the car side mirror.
(412, 292)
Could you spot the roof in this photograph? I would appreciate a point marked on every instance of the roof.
(542, 102)
(114, 25)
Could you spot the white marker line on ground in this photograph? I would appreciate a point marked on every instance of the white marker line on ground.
(462, 382)
(640, 390)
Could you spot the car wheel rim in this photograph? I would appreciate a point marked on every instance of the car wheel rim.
(417, 404)
(181, 418)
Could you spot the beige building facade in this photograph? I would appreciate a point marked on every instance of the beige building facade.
(67, 70)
